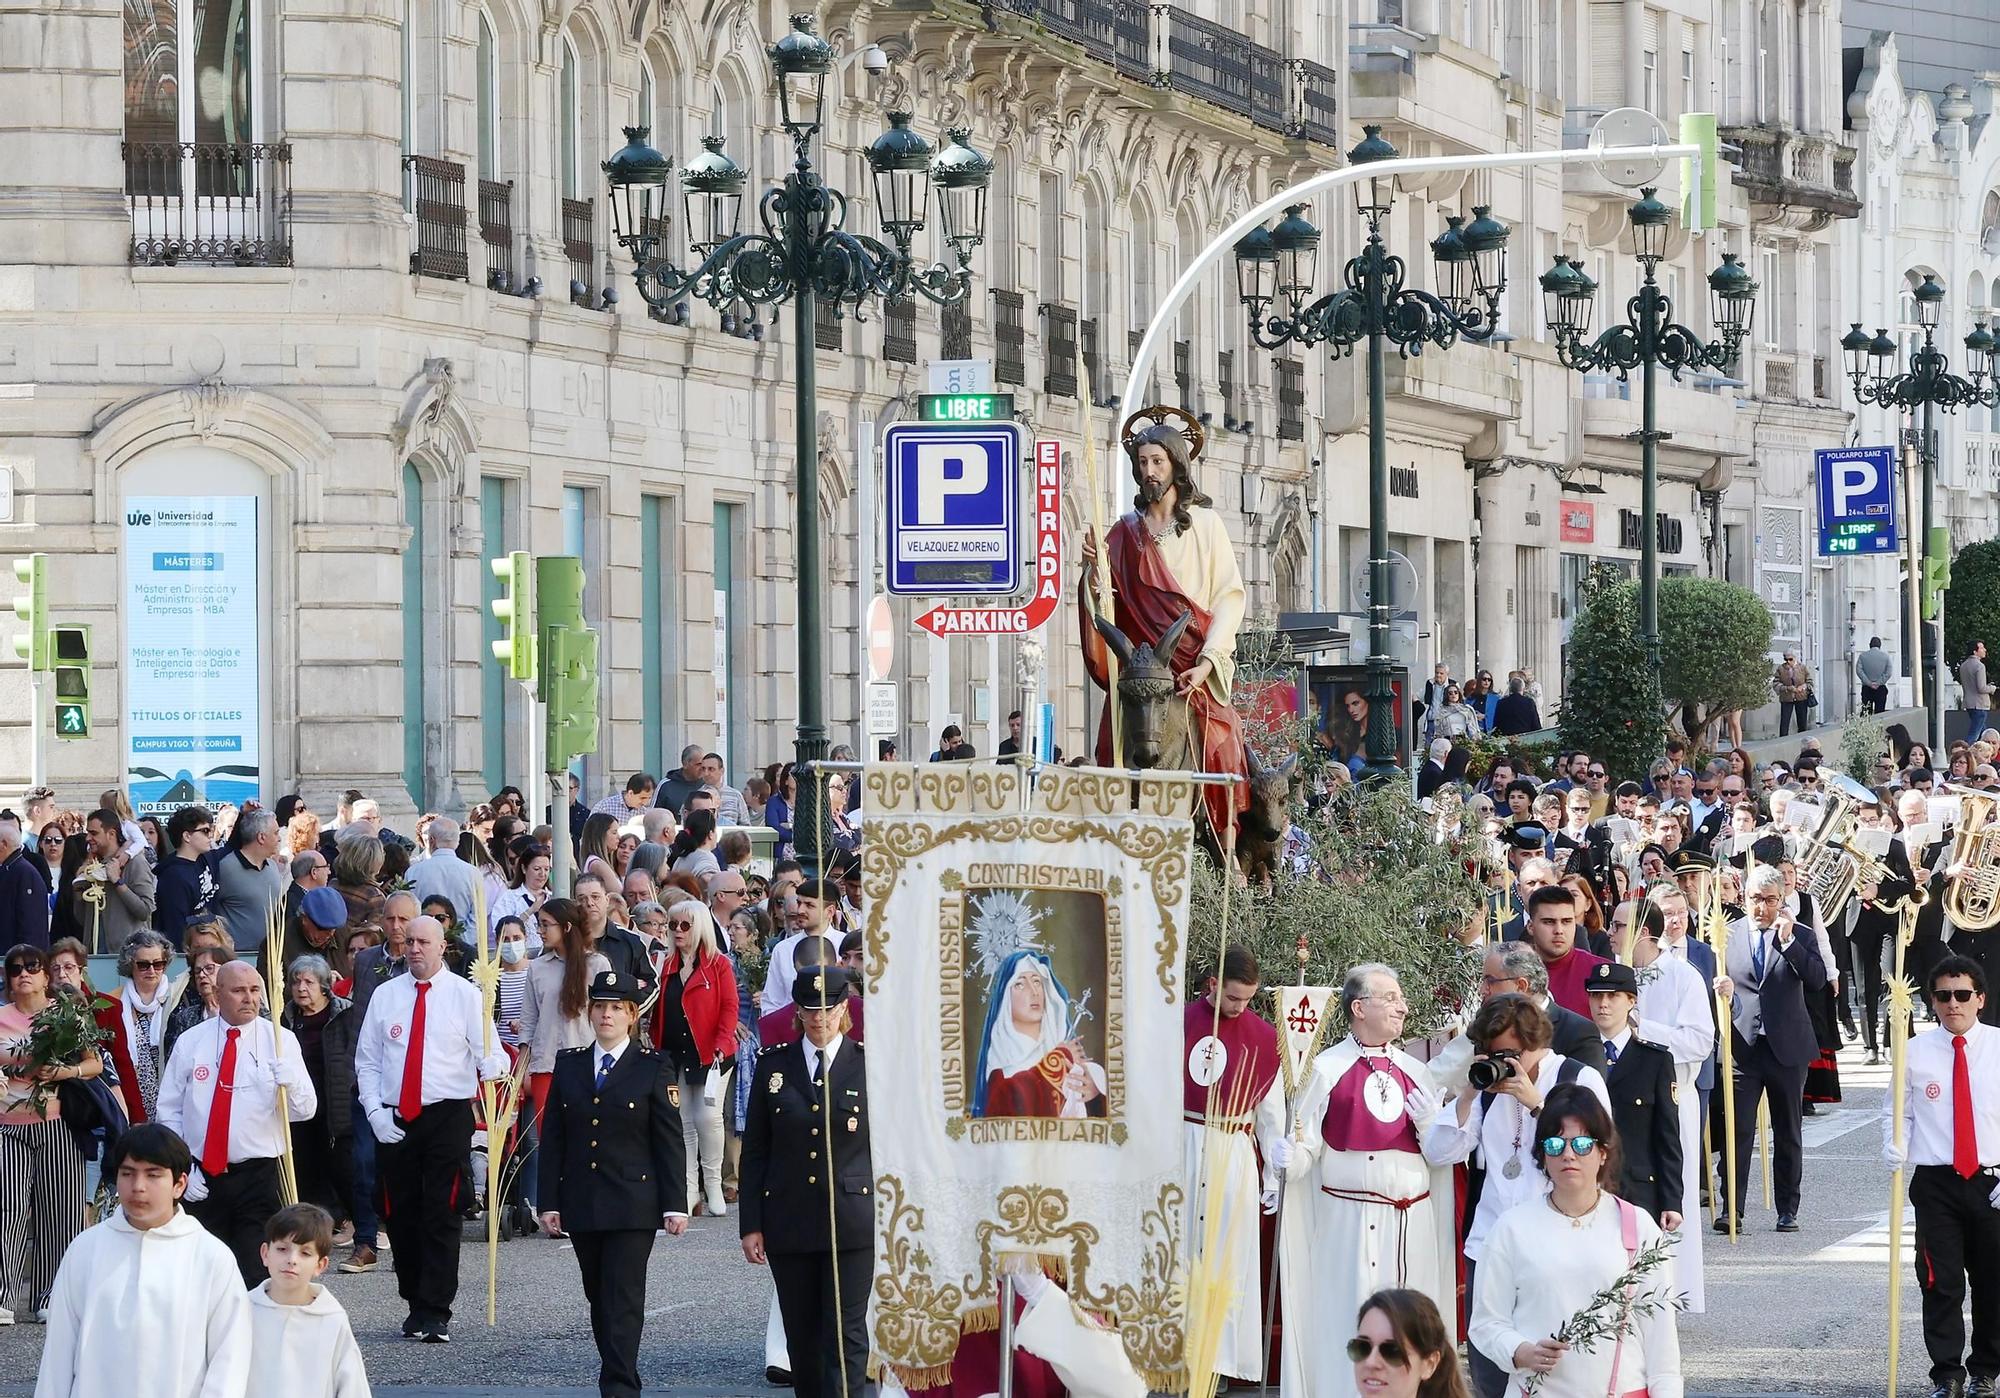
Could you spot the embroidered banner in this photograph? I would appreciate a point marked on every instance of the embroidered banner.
(1019, 944)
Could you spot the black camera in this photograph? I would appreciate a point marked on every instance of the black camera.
(1489, 1071)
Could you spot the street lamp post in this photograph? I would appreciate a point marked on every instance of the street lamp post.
(1275, 272)
(803, 252)
(1928, 384)
(1647, 340)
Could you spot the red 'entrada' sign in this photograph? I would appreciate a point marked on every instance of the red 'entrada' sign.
(1019, 621)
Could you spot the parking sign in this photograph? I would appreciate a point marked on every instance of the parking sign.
(954, 496)
(1857, 500)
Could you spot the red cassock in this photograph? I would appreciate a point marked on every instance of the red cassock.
(1148, 601)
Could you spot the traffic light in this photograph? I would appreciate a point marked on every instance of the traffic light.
(32, 607)
(515, 610)
(70, 647)
(1937, 570)
(570, 671)
(558, 607)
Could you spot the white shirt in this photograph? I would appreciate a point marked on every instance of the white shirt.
(814, 1055)
(1927, 1099)
(1615, 1045)
(1676, 1008)
(598, 1052)
(455, 1056)
(778, 976)
(1503, 1134)
(187, 1091)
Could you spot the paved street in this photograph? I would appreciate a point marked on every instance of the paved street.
(1787, 1314)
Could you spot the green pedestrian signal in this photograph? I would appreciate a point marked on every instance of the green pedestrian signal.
(32, 607)
(70, 647)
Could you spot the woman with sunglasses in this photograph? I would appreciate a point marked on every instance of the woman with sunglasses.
(1546, 1259)
(41, 1169)
(143, 1010)
(698, 1010)
(1401, 1349)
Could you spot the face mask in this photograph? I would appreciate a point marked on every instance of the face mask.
(510, 952)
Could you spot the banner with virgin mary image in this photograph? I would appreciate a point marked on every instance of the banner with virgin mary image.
(1024, 977)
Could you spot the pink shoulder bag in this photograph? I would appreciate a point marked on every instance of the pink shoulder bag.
(1628, 1230)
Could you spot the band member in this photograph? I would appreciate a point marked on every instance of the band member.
(805, 1141)
(1772, 967)
(1230, 1080)
(1951, 1141)
(614, 1170)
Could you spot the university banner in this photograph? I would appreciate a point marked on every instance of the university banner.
(1024, 973)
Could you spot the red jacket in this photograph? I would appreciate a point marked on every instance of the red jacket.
(110, 1016)
(709, 1002)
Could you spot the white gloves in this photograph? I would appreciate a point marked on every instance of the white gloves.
(1269, 1201)
(1423, 1107)
(1994, 1197)
(383, 1124)
(1281, 1154)
(494, 1066)
(1894, 1157)
(197, 1186)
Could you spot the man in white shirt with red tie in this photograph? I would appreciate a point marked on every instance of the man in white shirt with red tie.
(418, 1063)
(220, 1095)
(1951, 1142)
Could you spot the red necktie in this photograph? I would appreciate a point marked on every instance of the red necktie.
(1964, 1131)
(412, 1100)
(215, 1145)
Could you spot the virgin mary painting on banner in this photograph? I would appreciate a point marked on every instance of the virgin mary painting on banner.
(1023, 957)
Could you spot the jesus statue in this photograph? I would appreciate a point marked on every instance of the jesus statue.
(1171, 555)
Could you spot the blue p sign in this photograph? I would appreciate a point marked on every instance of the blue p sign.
(1857, 500)
(954, 495)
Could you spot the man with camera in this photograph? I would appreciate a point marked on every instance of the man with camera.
(1512, 1071)
(1769, 974)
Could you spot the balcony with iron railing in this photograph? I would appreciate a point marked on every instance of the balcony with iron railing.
(1175, 50)
(224, 204)
(580, 247)
(496, 230)
(437, 195)
(1059, 350)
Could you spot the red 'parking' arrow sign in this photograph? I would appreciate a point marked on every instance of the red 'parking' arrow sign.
(1018, 621)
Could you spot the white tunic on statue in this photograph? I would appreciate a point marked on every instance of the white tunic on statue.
(1240, 1352)
(1336, 1251)
(1537, 1271)
(1676, 1011)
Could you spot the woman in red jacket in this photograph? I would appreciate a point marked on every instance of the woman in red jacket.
(698, 1033)
(69, 965)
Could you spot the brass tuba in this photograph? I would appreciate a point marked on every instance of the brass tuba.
(1828, 866)
(1972, 900)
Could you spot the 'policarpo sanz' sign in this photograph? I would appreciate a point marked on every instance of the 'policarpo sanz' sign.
(954, 496)
(1857, 500)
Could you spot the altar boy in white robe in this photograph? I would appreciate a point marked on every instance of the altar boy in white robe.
(1364, 1208)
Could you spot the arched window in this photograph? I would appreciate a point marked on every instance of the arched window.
(1144, 258)
(569, 127)
(643, 115)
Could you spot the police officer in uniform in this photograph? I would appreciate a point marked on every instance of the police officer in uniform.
(1951, 1142)
(1644, 1105)
(805, 1166)
(614, 1169)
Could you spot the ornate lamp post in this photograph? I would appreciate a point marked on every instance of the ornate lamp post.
(1275, 276)
(1646, 340)
(1928, 384)
(802, 252)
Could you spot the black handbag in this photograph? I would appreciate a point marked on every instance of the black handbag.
(93, 1113)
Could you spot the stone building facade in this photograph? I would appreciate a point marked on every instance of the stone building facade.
(347, 264)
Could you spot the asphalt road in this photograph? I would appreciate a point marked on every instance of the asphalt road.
(1798, 1313)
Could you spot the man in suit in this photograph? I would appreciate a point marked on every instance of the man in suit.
(1644, 1102)
(614, 1169)
(1770, 972)
(806, 1204)
(1536, 871)
(1433, 774)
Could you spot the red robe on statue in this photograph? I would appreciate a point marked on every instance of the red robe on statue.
(1147, 602)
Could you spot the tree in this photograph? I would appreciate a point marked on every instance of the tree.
(1715, 639)
(1972, 607)
(1379, 885)
(1611, 706)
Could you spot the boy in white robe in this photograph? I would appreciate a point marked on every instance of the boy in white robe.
(147, 1281)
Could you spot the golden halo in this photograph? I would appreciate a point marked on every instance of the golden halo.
(1160, 415)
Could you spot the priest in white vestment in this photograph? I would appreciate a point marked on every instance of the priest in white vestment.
(1364, 1208)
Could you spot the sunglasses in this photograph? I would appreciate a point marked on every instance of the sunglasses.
(1959, 995)
(1580, 1146)
(680, 926)
(202, 830)
(23, 968)
(1392, 1351)
(149, 965)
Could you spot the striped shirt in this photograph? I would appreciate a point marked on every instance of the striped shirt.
(507, 1007)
